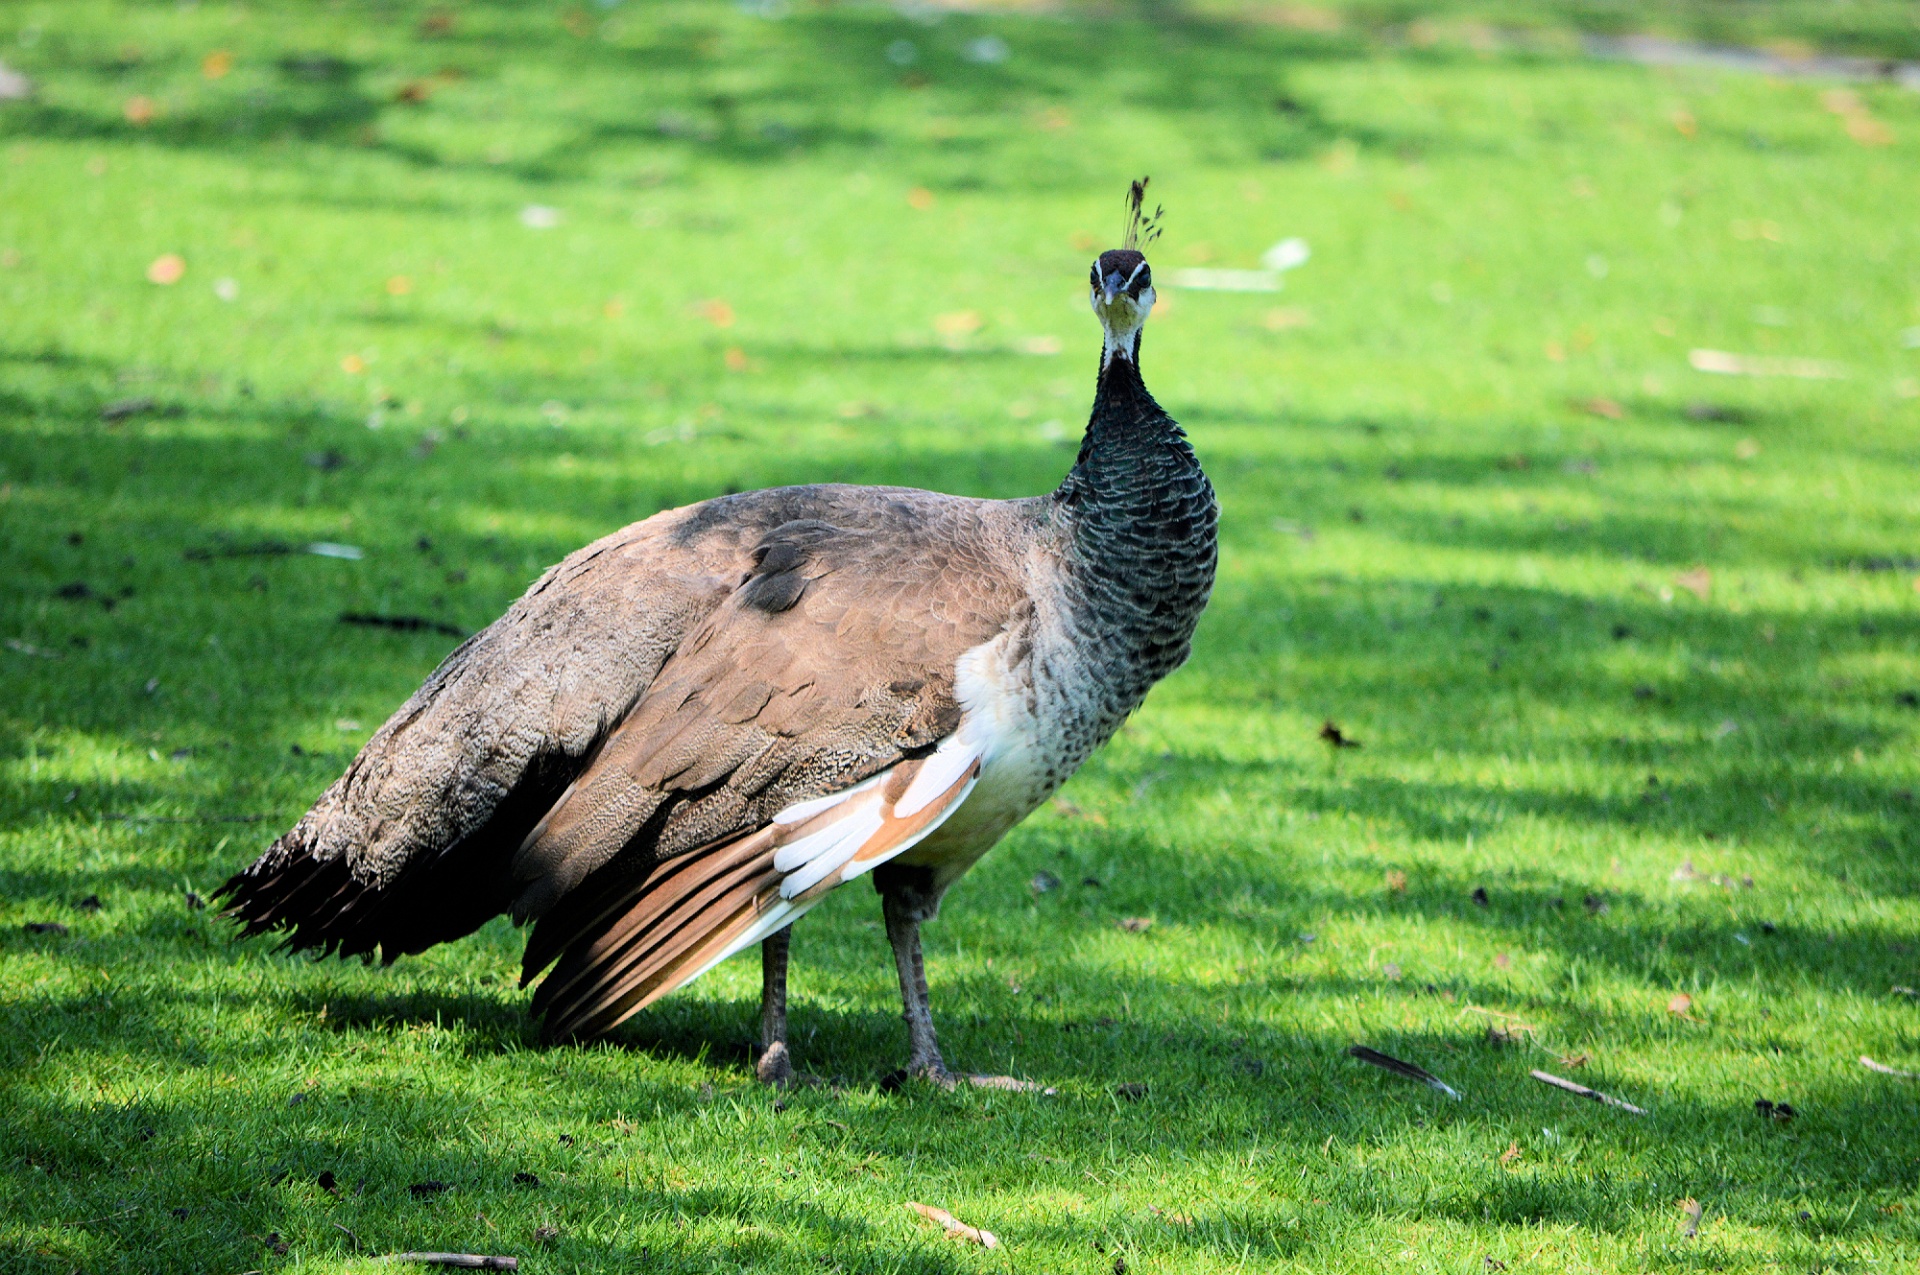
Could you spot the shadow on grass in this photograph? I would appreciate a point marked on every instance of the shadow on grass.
(669, 88)
(1305, 1094)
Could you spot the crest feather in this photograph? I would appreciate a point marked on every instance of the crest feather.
(1142, 227)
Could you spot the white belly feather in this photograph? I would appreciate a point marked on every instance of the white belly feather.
(1022, 733)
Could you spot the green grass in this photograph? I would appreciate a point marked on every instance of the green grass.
(1433, 535)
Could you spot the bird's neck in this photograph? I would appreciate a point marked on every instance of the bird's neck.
(1141, 517)
(1134, 460)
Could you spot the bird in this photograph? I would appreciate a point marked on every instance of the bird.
(685, 734)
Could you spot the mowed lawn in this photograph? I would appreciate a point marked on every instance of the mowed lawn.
(1629, 647)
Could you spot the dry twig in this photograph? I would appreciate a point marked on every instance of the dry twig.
(1560, 1082)
(1885, 1070)
(954, 1226)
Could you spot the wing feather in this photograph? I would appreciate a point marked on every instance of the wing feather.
(693, 911)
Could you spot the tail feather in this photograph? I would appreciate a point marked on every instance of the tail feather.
(328, 907)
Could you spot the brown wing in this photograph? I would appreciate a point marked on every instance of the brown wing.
(413, 845)
(689, 913)
(831, 663)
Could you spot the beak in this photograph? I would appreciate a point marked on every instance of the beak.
(1111, 289)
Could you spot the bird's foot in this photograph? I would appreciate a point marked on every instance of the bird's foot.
(775, 1066)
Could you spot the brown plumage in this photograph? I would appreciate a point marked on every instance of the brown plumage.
(687, 732)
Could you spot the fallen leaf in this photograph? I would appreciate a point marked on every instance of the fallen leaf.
(1841, 102)
(716, 312)
(546, 1234)
(1397, 881)
(1334, 737)
(399, 286)
(1680, 1004)
(1603, 407)
(1392, 971)
(1135, 924)
(120, 409)
(216, 64)
(1072, 811)
(1725, 363)
(954, 1227)
(1693, 1210)
(1043, 881)
(1697, 580)
(958, 324)
(1500, 1035)
(737, 360)
(166, 269)
(1286, 317)
(139, 111)
(920, 198)
(1573, 1062)
(1684, 123)
(1746, 449)
(353, 365)
(1501, 960)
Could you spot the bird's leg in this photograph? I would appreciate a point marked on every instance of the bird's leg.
(905, 907)
(775, 1066)
(903, 931)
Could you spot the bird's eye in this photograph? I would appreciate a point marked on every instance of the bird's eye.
(1145, 280)
(1093, 276)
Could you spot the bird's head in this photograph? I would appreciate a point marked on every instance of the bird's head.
(1121, 292)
